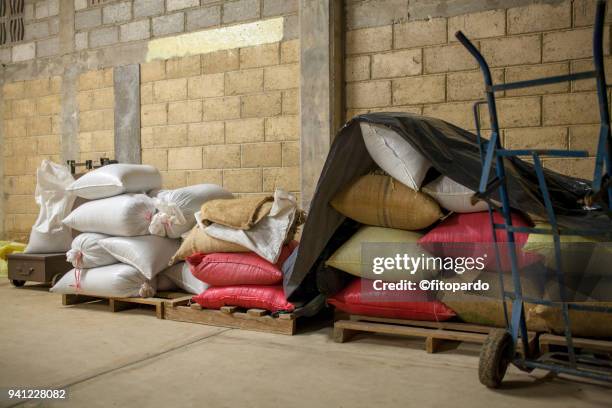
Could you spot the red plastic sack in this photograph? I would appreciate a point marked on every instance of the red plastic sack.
(238, 268)
(470, 235)
(359, 297)
(271, 298)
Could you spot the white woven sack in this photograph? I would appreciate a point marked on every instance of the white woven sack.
(453, 196)
(149, 254)
(86, 252)
(176, 208)
(395, 155)
(126, 215)
(182, 277)
(48, 234)
(266, 238)
(115, 179)
(116, 280)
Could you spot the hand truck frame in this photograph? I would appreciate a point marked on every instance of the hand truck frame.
(500, 348)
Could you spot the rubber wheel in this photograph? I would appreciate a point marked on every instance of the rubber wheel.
(495, 357)
(17, 283)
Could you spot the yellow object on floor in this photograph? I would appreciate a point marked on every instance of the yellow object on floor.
(8, 247)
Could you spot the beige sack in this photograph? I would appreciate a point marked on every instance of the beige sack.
(381, 201)
(350, 257)
(583, 323)
(490, 312)
(240, 213)
(487, 309)
(199, 241)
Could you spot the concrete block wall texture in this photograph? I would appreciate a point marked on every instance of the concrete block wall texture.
(93, 38)
(41, 33)
(95, 102)
(120, 22)
(138, 20)
(418, 66)
(31, 133)
(229, 117)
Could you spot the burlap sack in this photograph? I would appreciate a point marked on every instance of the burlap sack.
(487, 309)
(199, 241)
(489, 312)
(539, 318)
(583, 323)
(381, 201)
(240, 213)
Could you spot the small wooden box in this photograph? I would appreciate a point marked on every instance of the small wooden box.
(42, 268)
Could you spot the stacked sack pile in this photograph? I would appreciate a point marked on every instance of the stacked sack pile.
(437, 218)
(238, 247)
(397, 208)
(127, 237)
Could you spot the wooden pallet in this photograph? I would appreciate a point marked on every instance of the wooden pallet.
(436, 334)
(547, 340)
(234, 317)
(161, 301)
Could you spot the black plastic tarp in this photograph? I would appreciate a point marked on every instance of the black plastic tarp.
(453, 152)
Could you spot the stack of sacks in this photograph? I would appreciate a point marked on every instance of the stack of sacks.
(403, 201)
(394, 211)
(396, 208)
(115, 255)
(398, 200)
(238, 248)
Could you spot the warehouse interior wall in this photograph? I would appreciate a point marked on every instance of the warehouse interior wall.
(418, 66)
(220, 83)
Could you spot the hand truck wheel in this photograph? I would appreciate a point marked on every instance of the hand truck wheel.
(18, 283)
(495, 356)
(56, 278)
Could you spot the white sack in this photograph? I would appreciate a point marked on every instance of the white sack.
(86, 253)
(182, 277)
(115, 179)
(116, 280)
(176, 208)
(48, 234)
(126, 215)
(265, 238)
(453, 196)
(149, 254)
(395, 155)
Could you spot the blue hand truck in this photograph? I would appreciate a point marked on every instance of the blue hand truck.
(501, 346)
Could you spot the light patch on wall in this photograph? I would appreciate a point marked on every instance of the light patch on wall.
(225, 38)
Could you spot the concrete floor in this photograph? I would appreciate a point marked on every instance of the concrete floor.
(132, 359)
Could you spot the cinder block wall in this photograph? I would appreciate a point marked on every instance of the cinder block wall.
(95, 101)
(418, 66)
(31, 133)
(227, 117)
(232, 117)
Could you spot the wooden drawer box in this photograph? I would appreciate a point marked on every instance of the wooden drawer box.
(43, 268)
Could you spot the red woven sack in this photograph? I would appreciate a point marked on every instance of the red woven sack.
(238, 268)
(359, 297)
(270, 298)
(470, 235)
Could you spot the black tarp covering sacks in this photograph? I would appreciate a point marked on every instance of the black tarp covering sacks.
(452, 152)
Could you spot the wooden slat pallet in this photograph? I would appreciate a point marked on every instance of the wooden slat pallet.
(234, 317)
(547, 340)
(434, 333)
(161, 301)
